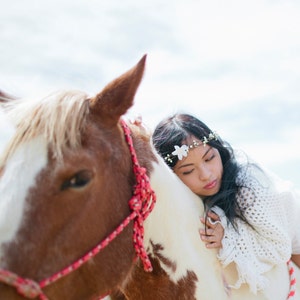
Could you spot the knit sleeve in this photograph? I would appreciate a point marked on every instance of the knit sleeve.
(294, 218)
(267, 241)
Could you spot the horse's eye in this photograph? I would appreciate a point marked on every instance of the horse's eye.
(78, 180)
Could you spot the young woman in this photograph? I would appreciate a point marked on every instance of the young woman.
(252, 216)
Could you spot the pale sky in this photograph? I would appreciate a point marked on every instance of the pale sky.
(235, 64)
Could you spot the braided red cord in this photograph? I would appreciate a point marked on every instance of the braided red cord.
(25, 287)
(292, 291)
(141, 204)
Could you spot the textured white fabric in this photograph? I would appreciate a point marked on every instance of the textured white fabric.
(272, 207)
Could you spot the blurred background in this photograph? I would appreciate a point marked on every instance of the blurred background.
(234, 64)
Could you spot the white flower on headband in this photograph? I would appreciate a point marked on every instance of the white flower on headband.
(181, 151)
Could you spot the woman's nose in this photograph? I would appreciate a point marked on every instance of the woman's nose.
(204, 173)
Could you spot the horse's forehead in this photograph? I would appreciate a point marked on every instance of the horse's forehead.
(19, 174)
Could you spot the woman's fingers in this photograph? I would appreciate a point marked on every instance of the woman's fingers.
(213, 234)
(211, 241)
(209, 222)
(213, 217)
(207, 232)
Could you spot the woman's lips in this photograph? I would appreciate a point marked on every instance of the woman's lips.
(211, 185)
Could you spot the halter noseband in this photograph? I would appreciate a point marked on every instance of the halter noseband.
(141, 204)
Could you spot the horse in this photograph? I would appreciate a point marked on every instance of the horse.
(88, 208)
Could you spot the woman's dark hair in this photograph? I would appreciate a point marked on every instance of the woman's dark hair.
(175, 130)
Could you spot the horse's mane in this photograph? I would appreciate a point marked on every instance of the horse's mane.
(58, 117)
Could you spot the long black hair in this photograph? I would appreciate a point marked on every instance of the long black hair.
(175, 130)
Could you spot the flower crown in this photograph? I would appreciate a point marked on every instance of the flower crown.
(183, 150)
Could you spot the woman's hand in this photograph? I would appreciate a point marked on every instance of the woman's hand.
(213, 234)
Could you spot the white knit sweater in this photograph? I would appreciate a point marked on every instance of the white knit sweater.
(272, 207)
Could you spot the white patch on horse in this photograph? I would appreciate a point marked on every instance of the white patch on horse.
(18, 176)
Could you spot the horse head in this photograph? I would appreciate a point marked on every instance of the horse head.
(66, 178)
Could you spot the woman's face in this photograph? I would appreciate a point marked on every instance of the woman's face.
(201, 170)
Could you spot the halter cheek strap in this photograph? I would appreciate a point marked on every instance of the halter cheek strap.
(141, 204)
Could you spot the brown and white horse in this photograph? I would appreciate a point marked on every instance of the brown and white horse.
(78, 218)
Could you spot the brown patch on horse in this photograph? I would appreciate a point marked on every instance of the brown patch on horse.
(157, 248)
(157, 285)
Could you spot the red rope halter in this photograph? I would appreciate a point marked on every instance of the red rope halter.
(292, 291)
(141, 204)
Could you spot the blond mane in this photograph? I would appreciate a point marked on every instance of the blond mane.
(58, 117)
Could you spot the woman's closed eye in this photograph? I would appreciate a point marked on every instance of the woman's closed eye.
(187, 172)
(211, 157)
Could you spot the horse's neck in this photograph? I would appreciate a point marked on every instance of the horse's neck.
(174, 224)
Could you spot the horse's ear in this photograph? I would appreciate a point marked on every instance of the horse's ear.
(4, 97)
(117, 97)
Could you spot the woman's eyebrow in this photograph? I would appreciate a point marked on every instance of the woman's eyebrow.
(206, 151)
(186, 165)
(190, 164)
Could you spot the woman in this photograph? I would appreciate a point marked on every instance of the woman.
(252, 216)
